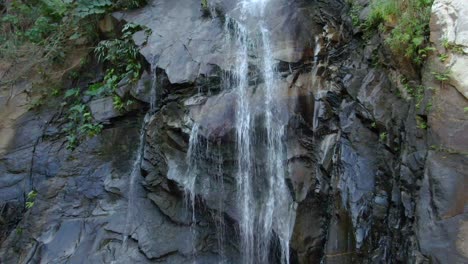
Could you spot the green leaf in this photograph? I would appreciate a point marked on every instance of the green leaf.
(72, 93)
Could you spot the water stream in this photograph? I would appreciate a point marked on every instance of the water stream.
(265, 206)
(136, 168)
(134, 176)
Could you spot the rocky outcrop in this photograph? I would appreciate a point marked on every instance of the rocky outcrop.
(369, 182)
(441, 208)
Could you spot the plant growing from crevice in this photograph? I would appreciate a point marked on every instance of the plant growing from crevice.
(442, 76)
(456, 48)
(122, 57)
(383, 136)
(204, 4)
(421, 123)
(443, 57)
(354, 11)
(415, 91)
(80, 124)
(405, 24)
(121, 104)
(30, 198)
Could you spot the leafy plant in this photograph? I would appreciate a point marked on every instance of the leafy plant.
(120, 104)
(421, 123)
(30, 198)
(86, 8)
(204, 4)
(406, 22)
(415, 91)
(129, 4)
(36, 103)
(355, 10)
(70, 93)
(443, 57)
(383, 136)
(456, 48)
(442, 76)
(80, 125)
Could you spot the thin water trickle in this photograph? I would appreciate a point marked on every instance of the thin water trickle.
(136, 168)
(193, 161)
(154, 85)
(135, 174)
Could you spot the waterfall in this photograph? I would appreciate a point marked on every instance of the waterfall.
(135, 174)
(271, 210)
(136, 168)
(266, 210)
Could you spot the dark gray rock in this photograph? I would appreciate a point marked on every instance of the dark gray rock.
(357, 167)
(103, 109)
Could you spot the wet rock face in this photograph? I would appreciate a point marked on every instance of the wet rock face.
(186, 42)
(365, 185)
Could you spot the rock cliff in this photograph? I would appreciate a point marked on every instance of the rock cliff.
(371, 177)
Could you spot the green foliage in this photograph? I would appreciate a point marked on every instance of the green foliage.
(122, 61)
(453, 47)
(383, 136)
(421, 123)
(204, 4)
(129, 4)
(406, 23)
(30, 198)
(80, 124)
(86, 8)
(122, 57)
(19, 231)
(53, 25)
(381, 11)
(75, 92)
(442, 76)
(443, 57)
(120, 104)
(354, 12)
(36, 103)
(415, 91)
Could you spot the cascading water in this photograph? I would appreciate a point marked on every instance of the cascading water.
(265, 207)
(136, 168)
(135, 174)
(272, 209)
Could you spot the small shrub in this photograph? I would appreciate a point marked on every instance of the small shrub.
(421, 123)
(442, 76)
(459, 49)
(80, 125)
(407, 24)
(30, 198)
(383, 136)
(443, 57)
(204, 4)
